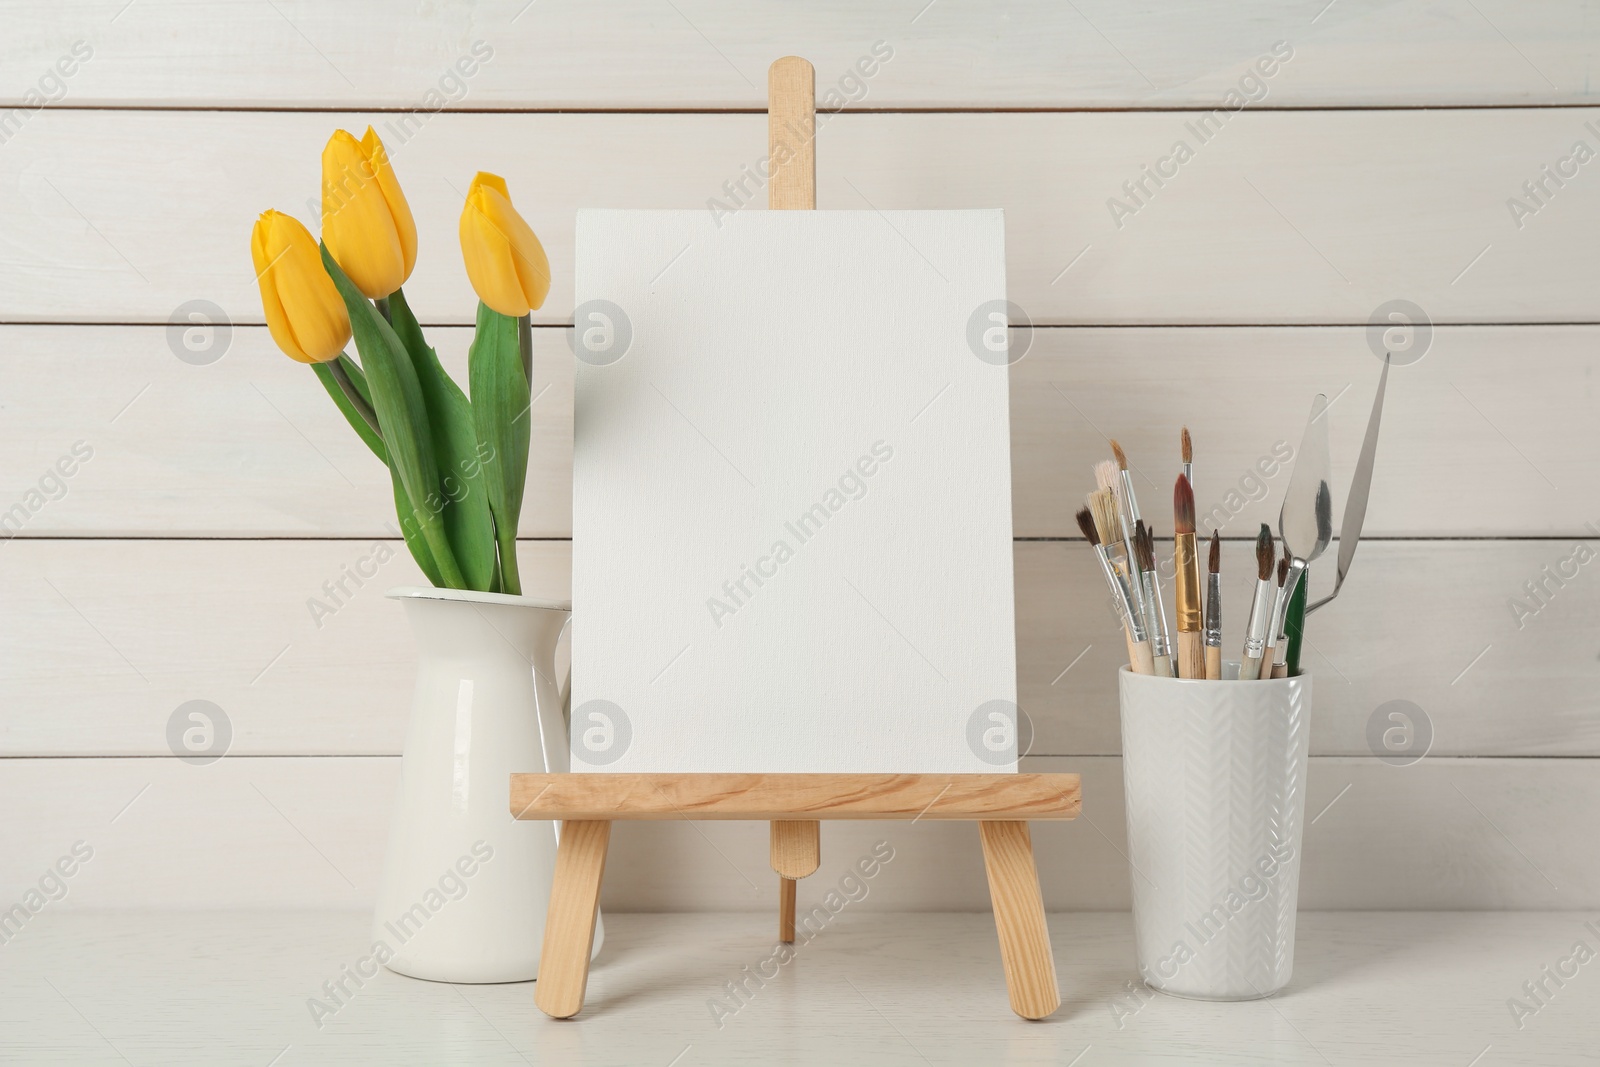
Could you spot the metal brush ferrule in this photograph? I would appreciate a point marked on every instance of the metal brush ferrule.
(1155, 615)
(1213, 610)
(1121, 594)
(1187, 583)
(1255, 638)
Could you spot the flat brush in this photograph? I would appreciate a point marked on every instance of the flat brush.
(1121, 596)
(1277, 639)
(1186, 585)
(1214, 609)
(1156, 612)
(1255, 634)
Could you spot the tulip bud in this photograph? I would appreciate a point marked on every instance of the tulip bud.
(305, 314)
(366, 222)
(505, 261)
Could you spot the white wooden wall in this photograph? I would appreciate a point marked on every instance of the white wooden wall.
(1377, 164)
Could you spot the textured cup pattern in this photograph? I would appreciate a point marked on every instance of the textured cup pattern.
(1214, 779)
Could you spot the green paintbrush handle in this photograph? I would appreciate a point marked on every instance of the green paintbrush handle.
(1294, 626)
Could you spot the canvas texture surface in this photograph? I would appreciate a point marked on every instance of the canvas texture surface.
(791, 493)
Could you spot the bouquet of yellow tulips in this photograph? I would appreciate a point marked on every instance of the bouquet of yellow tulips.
(457, 465)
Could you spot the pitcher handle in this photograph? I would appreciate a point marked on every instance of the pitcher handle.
(565, 691)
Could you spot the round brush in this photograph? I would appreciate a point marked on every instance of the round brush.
(1191, 645)
(1214, 609)
(1255, 634)
(1156, 612)
(1277, 638)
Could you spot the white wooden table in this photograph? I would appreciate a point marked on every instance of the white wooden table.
(220, 988)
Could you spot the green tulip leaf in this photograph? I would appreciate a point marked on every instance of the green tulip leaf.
(500, 400)
(397, 399)
(467, 517)
(411, 530)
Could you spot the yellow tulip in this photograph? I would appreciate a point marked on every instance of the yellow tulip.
(366, 222)
(305, 315)
(505, 261)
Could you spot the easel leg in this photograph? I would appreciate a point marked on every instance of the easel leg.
(1019, 918)
(786, 887)
(569, 924)
(796, 850)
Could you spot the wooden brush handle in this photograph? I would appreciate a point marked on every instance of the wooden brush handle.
(1280, 670)
(1266, 662)
(1163, 665)
(1133, 651)
(1143, 660)
(1191, 654)
(1250, 669)
(1213, 663)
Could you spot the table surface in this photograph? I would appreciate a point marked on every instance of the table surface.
(871, 988)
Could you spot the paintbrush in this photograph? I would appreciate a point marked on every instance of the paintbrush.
(1188, 456)
(1186, 585)
(1109, 480)
(1280, 618)
(1133, 626)
(1214, 609)
(1155, 619)
(1255, 633)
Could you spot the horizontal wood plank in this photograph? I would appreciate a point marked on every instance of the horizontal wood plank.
(1274, 217)
(309, 832)
(773, 796)
(103, 640)
(250, 446)
(714, 53)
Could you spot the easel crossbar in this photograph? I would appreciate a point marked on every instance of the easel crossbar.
(992, 797)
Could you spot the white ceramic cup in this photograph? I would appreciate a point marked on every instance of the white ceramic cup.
(1214, 775)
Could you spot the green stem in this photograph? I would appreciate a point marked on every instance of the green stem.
(357, 401)
(383, 309)
(1295, 624)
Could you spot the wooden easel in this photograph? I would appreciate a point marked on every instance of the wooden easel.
(1001, 804)
(587, 804)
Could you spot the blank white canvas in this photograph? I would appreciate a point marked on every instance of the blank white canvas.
(791, 494)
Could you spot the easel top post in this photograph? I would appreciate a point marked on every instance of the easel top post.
(791, 135)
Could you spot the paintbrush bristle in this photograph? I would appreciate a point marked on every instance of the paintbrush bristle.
(1215, 562)
(1264, 553)
(1086, 523)
(1104, 508)
(1105, 475)
(1283, 571)
(1188, 447)
(1144, 546)
(1122, 457)
(1183, 506)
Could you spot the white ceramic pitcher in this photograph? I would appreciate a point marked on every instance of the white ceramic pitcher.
(465, 886)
